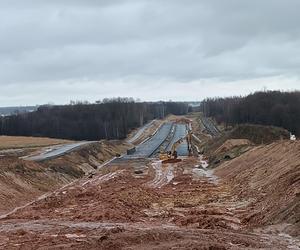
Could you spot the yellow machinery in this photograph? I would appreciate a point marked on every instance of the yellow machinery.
(171, 156)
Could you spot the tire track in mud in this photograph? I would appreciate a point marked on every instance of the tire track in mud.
(103, 178)
(201, 170)
(163, 175)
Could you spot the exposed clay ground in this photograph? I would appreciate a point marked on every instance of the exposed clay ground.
(21, 181)
(269, 177)
(142, 204)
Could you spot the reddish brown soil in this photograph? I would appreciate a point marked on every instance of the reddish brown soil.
(22, 181)
(268, 177)
(143, 204)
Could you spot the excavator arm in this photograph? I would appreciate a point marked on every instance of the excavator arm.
(172, 155)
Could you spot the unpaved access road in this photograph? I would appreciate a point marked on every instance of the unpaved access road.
(138, 204)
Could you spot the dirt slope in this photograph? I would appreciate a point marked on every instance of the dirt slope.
(269, 178)
(22, 181)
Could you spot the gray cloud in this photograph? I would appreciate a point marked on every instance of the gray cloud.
(111, 45)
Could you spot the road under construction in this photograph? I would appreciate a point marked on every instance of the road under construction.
(162, 140)
(136, 202)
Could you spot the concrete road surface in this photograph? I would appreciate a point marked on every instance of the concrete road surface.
(56, 151)
(180, 132)
(140, 132)
(147, 148)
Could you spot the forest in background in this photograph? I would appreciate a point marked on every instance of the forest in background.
(108, 119)
(274, 108)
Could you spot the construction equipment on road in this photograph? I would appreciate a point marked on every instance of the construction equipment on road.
(172, 156)
(292, 137)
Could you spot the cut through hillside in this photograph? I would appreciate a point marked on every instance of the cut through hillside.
(22, 181)
(269, 178)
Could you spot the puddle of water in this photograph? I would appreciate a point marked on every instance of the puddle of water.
(163, 175)
(170, 174)
(75, 235)
(202, 171)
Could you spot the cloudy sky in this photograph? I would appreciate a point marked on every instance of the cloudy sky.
(62, 50)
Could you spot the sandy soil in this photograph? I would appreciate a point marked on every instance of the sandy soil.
(142, 204)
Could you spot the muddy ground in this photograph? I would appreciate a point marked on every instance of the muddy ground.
(142, 204)
(22, 181)
(77, 202)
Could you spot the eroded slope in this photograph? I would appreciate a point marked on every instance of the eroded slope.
(269, 178)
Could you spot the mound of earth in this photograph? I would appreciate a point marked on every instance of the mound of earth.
(268, 177)
(22, 181)
(239, 140)
(259, 134)
(230, 149)
(232, 143)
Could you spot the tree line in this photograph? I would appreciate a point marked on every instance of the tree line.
(107, 119)
(275, 108)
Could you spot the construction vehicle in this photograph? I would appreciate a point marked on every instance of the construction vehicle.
(292, 137)
(171, 156)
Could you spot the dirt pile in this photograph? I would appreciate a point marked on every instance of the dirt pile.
(259, 134)
(230, 149)
(90, 157)
(239, 140)
(231, 144)
(256, 134)
(269, 178)
(22, 181)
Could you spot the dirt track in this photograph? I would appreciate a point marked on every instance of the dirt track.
(139, 204)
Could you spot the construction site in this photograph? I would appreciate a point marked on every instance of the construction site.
(149, 125)
(178, 183)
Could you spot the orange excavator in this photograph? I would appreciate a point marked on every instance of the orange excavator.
(171, 156)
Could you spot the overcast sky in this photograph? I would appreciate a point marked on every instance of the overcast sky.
(62, 50)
